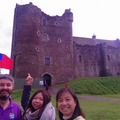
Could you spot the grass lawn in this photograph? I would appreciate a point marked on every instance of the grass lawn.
(100, 110)
(101, 87)
(94, 110)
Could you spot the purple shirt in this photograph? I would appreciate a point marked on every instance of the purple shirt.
(12, 112)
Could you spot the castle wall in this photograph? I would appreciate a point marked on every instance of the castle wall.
(44, 46)
(25, 47)
(87, 60)
(96, 60)
(113, 61)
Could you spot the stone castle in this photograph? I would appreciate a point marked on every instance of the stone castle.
(44, 46)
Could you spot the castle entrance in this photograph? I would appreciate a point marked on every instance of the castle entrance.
(47, 80)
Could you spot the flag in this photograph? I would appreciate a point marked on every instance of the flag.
(5, 62)
(66, 85)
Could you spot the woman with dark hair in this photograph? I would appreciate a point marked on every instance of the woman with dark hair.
(39, 106)
(68, 105)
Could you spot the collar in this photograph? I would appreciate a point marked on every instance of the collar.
(67, 117)
(10, 104)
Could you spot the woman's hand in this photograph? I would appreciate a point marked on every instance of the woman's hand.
(29, 79)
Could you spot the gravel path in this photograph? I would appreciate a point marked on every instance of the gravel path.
(89, 97)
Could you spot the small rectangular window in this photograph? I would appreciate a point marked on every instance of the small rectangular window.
(47, 61)
(80, 58)
(108, 57)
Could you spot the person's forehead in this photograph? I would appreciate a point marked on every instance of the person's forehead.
(66, 94)
(39, 94)
(3, 80)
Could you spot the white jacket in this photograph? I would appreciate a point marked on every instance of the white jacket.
(48, 113)
(79, 118)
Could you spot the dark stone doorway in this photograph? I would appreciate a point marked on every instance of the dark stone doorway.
(47, 80)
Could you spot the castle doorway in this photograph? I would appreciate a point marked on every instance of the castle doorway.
(47, 80)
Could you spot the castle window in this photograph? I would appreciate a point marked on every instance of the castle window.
(37, 48)
(108, 57)
(79, 58)
(59, 40)
(56, 23)
(38, 33)
(69, 47)
(44, 22)
(44, 37)
(47, 61)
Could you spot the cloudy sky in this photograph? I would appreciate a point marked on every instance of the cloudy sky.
(99, 17)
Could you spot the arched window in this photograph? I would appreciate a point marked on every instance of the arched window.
(38, 33)
(44, 37)
(59, 40)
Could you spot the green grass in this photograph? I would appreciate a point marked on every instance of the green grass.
(95, 86)
(100, 110)
(100, 87)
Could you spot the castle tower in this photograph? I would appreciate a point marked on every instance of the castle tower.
(25, 42)
(104, 67)
(42, 44)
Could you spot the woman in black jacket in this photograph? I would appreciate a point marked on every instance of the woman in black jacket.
(38, 105)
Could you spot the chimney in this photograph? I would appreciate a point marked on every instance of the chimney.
(94, 37)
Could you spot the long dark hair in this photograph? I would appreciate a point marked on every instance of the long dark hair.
(77, 112)
(46, 100)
